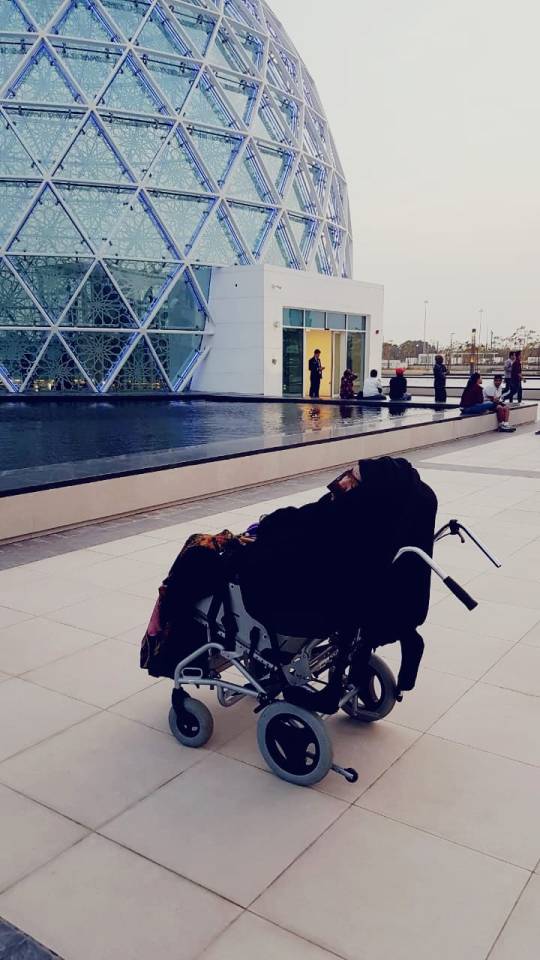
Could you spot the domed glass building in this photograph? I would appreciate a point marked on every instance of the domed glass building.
(143, 144)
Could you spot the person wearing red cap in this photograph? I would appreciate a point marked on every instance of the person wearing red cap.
(398, 386)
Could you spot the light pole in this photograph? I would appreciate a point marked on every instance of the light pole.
(426, 304)
(473, 349)
(451, 348)
(481, 312)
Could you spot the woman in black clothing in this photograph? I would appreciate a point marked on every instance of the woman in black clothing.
(439, 379)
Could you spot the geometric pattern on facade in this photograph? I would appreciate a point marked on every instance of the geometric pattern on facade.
(143, 143)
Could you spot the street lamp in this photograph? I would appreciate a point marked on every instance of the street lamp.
(473, 349)
(481, 312)
(451, 348)
(426, 304)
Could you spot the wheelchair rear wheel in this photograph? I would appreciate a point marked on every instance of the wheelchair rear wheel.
(294, 743)
(377, 698)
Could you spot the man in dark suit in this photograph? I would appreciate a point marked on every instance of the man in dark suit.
(315, 374)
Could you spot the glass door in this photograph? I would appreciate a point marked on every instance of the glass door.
(293, 363)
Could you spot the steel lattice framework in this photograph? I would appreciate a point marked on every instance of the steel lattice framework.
(143, 143)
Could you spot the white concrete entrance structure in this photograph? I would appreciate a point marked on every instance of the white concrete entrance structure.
(247, 306)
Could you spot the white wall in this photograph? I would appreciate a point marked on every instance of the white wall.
(247, 307)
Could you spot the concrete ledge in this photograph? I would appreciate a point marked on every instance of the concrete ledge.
(27, 514)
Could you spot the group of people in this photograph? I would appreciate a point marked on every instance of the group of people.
(493, 397)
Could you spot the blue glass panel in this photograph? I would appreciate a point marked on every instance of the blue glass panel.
(254, 223)
(177, 169)
(42, 10)
(14, 199)
(90, 68)
(203, 276)
(97, 209)
(158, 33)
(176, 352)
(336, 321)
(225, 53)
(140, 372)
(299, 197)
(217, 151)
(175, 80)
(43, 81)
(83, 20)
(279, 251)
(293, 317)
(139, 235)
(99, 353)
(137, 140)
(322, 261)
(181, 216)
(246, 181)
(197, 27)
(126, 14)
(99, 304)
(240, 94)
(305, 232)
(57, 371)
(289, 112)
(48, 230)
(14, 160)
(181, 310)
(356, 322)
(91, 157)
(217, 243)
(16, 307)
(52, 280)
(278, 164)
(319, 177)
(267, 123)
(205, 106)
(11, 55)
(315, 319)
(45, 133)
(141, 283)
(131, 91)
(234, 10)
(252, 45)
(253, 9)
(19, 350)
(11, 18)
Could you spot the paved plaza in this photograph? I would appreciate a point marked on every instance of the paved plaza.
(117, 843)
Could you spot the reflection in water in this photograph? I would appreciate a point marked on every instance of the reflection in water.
(397, 409)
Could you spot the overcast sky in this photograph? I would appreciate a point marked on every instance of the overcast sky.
(435, 110)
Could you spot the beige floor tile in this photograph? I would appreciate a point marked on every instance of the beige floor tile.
(47, 594)
(201, 822)
(9, 617)
(103, 674)
(250, 937)
(506, 621)
(31, 835)
(135, 634)
(502, 589)
(127, 545)
(4, 676)
(368, 747)
(375, 888)
(111, 615)
(521, 936)
(500, 721)
(433, 695)
(532, 638)
(161, 555)
(98, 768)
(462, 654)
(29, 714)
(100, 901)
(32, 643)
(147, 588)
(518, 670)
(116, 573)
(474, 798)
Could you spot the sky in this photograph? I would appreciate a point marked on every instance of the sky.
(435, 111)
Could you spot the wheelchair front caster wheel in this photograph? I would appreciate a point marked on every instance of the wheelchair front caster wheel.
(192, 724)
(294, 744)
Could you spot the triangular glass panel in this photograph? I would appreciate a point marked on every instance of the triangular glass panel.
(57, 371)
(91, 157)
(177, 169)
(246, 181)
(11, 18)
(52, 280)
(322, 261)
(279, 252)
(42, 10)
(45, 133)
(140, 235)
(11, 55)
(289, 112)
(278, 164)
(18, 310)
(138, 140)
(267, 124)
(14, 160)
(97, 209)
(319, 177)
(99, 304)
(253, 9)
(43, 81)
(337, 239)
(182, 309)
(241, 94)
(19, 350)
(252, 45)
(217, 151)
(89, 67)
(131, 91)
(254, 223)
(175, 80)
(205, 106)
(198, 27)
(299, 198)
(141, 282)
(181, 216)
(99, 353)
(14, 199)
(48, 229)
(158, 33)
(140, 372)
(305, 231)
(224, 53)
(127, 14)
(83, 20)
(335, 207)
(177, 353)
(234, 10)
(203, 276)
(277, 74)
(217, 243)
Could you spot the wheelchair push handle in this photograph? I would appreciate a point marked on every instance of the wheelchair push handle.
(460, 593)
(448, 581)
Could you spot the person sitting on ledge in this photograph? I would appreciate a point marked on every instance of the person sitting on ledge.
(346, 390)
(473, 402)
(373, 387)
(398, 386)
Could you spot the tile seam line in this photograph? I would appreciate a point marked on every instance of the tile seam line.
(509, 917)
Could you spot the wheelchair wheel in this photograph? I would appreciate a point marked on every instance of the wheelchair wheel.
(294, 744)
(192, 724)
(378, 697)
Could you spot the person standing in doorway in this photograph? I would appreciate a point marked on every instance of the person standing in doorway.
(315, 374)
(440, 371)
